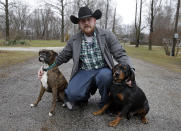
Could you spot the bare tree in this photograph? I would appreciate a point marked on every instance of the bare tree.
(154, 9)
(162, 25)
(53, 20)
(62, 14)
(175, 29)
(59, 7)
(107, 8)
(19, 19)
(7, 19)
(151, 25)
(5, 6)
(138, 26)
(43, 23)
(135, 24)
(114, 21)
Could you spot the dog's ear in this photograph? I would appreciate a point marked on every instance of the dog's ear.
(114, 68)
(39, 52)
(132, 75)
(54, 53)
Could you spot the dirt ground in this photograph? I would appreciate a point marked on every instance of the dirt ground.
(19, 87)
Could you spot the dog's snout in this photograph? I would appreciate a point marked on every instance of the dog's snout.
(116, 74)
(41, 59)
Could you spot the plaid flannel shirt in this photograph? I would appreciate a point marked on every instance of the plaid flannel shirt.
(90, 55)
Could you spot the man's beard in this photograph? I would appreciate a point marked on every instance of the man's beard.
(88, 30)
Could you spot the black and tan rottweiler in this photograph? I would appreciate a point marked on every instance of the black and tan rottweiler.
(125, 100)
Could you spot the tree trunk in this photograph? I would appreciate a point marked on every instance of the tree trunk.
(62, 28)
(151, 25)
(137, 38)
(107, 8)
(114, 21)
(175, 29)
(7, 20)
(139, 27)
(136, 27)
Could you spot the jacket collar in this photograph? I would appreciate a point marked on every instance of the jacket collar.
(99, 31)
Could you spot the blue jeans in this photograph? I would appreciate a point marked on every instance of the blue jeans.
(80, 85)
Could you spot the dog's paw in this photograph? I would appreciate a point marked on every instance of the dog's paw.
(97, 113)
(33, 105)
(115, 122)
(144, 120)
(50, 114)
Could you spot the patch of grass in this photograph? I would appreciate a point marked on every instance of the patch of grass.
(156, 56)
(46, 43)
(13, 57)
(1, 42)
(38, 43)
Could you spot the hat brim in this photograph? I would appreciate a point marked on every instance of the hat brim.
(97, 15)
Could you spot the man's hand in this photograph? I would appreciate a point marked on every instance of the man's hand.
(40, 73)
(129, 82)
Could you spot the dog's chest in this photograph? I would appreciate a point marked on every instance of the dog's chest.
(118, 90)
(44, 80)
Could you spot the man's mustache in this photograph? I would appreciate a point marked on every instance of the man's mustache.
(87, 26)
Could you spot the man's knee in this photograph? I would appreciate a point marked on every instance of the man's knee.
(74, 95)
(104, 75)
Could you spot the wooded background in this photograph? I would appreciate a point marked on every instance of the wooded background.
(155, 20)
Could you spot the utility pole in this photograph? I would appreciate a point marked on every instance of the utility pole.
(175, 37)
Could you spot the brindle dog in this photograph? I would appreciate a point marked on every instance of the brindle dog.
(125, 100)
(52, 80)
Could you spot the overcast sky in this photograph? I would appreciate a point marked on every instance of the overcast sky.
(126, 9)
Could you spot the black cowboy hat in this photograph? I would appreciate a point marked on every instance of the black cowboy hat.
(85, 12)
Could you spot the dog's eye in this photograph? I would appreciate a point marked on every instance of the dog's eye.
(48, 54)
(125, 67)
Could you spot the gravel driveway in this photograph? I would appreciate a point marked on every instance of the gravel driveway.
(19, 87)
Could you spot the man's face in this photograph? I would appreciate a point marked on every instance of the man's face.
(87, 25)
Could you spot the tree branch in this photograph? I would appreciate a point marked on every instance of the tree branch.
(2, 3)
(156, 9)
(54, 6)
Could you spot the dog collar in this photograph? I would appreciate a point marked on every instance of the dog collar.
(118, 83)
(50, 67)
